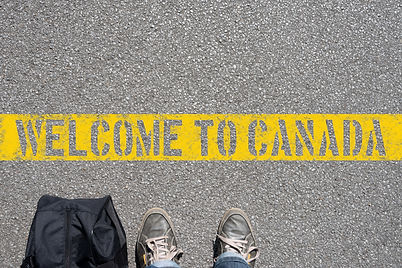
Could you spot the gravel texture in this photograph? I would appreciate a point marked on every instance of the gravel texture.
(212, 57)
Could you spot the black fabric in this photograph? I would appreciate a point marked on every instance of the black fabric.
(72, 233)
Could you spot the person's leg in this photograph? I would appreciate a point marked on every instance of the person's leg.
(156, 245)
(235, 242)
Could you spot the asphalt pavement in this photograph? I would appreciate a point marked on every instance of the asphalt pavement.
(212, 57)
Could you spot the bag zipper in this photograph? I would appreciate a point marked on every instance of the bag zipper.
(67, 249)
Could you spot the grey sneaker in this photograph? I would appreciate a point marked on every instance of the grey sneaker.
(156, 239)
(235, 235)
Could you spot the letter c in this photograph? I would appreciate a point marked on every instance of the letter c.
(94, 138)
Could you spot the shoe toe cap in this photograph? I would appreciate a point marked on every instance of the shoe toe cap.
(156, 225)
(236, 227)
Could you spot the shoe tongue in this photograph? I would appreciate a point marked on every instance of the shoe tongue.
(163, 254)
(230, 249)
(236, 227)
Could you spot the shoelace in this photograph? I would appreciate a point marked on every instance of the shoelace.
(159, 249)
(239, 246)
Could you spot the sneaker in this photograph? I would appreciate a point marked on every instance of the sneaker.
(156, 239)
(235, 235)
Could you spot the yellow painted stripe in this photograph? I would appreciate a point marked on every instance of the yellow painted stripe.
(201, 137)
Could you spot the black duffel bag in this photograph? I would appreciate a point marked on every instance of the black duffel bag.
(85, 233)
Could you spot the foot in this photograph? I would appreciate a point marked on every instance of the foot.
(156, 239)
(235, 235)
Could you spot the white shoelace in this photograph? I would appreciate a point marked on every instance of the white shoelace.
(159, 249)
(239, 246)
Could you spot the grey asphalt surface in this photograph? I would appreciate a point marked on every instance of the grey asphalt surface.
(212, 57)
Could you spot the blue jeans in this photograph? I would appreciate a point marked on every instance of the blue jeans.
(164, 264)
(226, 260)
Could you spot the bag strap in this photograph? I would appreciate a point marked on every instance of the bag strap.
(113, 216)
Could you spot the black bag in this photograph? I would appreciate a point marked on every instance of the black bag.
(71, 233)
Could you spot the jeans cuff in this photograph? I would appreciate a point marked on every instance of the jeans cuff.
(164, 264)
(231, 257)
(230, 254)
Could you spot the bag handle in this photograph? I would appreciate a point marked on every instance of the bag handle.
(113, 216)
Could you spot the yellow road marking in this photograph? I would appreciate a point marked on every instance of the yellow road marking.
(201, 137)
